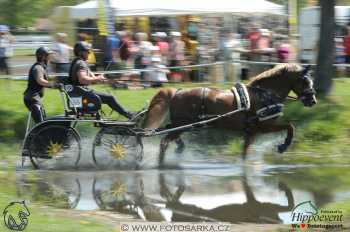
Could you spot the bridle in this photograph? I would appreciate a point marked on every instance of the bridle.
(309, 91)
(305, 94)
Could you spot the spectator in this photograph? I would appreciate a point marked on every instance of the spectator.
(61, 57)
(83, 37)
(253, 36)
(125, 46)
(163, 46)
(176, 55)
(158, 75)
(6, 39)
(283, 51)
(111, 52)
(347, 48)
(231, 48)
(142, 52)
(264, 45)
(176, 49)
(339, 56)
(339, 51)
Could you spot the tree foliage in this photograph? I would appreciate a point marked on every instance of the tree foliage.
(24, 12)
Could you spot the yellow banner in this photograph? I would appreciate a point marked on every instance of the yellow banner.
(101, 20)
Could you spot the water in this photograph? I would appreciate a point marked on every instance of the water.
(200, 191)
(198, 185)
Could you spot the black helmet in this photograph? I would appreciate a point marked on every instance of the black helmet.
(80, 47)
(40, 52)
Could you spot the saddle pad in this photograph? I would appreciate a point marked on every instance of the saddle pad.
(241, 95)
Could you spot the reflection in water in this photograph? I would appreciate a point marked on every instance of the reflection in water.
(181, 195)
(53, 190)
(250, 211)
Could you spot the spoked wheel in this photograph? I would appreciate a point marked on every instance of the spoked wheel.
(116, 194)
(117, 147)
(55, 146)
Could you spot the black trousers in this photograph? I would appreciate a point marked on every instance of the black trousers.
(34, 105)
(112, 102)
(4, 66)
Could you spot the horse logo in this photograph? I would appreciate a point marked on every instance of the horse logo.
(16, 216)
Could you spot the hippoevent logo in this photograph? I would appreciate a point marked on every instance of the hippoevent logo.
(16, 216)
(306, 215)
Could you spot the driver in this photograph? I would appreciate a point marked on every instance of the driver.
(81, 75)
(37, 80)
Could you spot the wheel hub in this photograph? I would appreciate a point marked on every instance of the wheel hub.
(118, 189)
(118, 151)
(54, 148)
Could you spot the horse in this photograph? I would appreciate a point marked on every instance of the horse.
(267, 90)
(251, 211)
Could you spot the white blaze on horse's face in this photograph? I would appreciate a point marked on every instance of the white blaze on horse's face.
(307, 95)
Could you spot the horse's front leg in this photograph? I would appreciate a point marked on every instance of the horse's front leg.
(268, 128)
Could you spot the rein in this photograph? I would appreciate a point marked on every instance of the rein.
(292, 98)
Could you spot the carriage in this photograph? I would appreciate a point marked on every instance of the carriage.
(252, 108)
(57, 140)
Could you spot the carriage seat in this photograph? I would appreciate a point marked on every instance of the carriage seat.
(82, 101)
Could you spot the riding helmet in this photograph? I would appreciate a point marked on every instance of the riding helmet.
(43, 51)
(80, 47)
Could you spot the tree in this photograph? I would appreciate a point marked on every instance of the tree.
(24, 12)
(325, 58)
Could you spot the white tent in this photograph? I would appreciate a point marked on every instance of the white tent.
(176, 7)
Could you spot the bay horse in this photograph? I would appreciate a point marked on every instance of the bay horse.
(271, 87)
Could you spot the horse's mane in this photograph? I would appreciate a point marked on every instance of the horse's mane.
(275, 72)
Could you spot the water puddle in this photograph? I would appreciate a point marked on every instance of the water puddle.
(196, 191)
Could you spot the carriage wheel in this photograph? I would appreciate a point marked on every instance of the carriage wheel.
(117, 147)
(55, 146)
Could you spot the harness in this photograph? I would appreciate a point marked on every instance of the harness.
(271, 106)
(202, 109)
(242, 97)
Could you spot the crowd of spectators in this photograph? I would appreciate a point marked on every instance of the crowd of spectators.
(173, 49)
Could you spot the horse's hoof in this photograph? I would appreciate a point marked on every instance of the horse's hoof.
(179, 150)
(161, 166)
(282, 186)
(282, 148)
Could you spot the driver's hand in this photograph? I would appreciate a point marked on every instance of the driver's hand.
(101, 77)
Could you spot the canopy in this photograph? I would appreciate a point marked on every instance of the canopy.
(176, 7)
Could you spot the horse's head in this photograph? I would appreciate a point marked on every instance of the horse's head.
(304, 89)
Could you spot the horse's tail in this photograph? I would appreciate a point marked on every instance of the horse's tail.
(158, 108)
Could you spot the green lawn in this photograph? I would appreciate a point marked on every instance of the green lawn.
(318, 128)
(323, 133)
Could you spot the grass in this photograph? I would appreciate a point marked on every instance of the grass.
(318, 128)
(323, 134)
(13, 114)
(324, 130)
(23, 52)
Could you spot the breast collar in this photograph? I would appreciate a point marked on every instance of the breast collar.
(271, 104)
